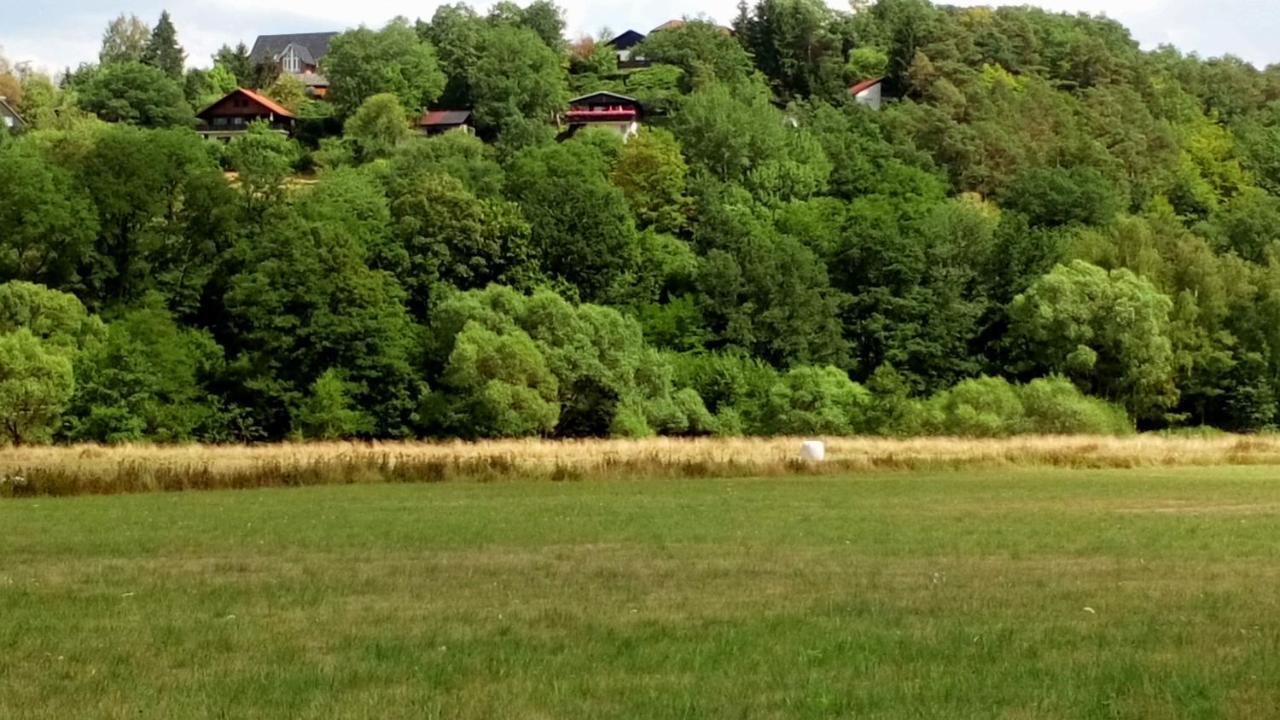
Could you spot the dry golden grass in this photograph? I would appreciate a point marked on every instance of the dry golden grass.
(86, 469)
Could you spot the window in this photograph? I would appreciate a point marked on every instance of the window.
(8, 121)
(292, 63)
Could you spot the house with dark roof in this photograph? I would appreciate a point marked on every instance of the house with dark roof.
(624, 45)
(435, 122)
(296, 54)
(9, 117)
(232, 115)
(611, 111)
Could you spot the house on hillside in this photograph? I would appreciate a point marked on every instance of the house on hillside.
(869, 93)
(611, 111)
(232, 115)
(436, 122)
(298, 55)
(9, 117)
(625, 45)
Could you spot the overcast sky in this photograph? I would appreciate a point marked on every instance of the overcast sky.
(57, 33)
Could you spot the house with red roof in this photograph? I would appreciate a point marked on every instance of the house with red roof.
(614, 112)
(869, 92)
(435, 122)
(232, 115)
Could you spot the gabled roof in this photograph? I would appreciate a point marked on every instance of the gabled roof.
(11, 111)
(865, 85)
(269, 47)
(604, 95)
(304, 54)
(626, 40)
(434, 118)
(262, 100)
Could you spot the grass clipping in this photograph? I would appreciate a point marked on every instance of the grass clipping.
(90, 469)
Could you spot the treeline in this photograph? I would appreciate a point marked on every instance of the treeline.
(1045, 229)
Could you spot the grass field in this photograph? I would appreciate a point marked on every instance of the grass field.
(1042, 593)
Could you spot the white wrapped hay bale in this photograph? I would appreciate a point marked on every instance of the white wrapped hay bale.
(813, 450)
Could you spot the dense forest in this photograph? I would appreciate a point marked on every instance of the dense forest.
(1044, 229)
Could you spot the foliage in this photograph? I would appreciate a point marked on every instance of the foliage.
(125, 41)
(582, 229)
(1108, 331)
(362, 63)
(137, 94)
(49, 220)
(162, 50)
(1043, 228)
(144, 381)
(502, 98)
(378, 127)
(263, 158)
(651, 173)
(330, 413)
(36, 382)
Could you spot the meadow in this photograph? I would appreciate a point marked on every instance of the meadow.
(59, 470)
(981, 591)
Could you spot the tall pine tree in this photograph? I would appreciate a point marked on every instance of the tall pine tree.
(163, 50)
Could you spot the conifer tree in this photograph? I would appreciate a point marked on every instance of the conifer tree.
(163, 50)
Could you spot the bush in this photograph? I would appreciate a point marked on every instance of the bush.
(815, 401)
(980, 407)
(1054, 406)
(992, 407)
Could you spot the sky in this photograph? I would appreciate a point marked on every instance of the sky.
(53, 34)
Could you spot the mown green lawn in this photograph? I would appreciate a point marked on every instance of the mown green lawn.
(1036, 594)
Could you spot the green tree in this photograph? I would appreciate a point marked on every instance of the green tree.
(651, 173)
(162, 50)
(36, 382)
(362, 63)
(816, 401)
(703, 50)
(125, 41)
(330, 411)
(455, 32)
(543, 17)
(464, 157)
(136, 94)
(289, 91)
(50, 222)
(55, 318)
(1107, 331)
(739, 137)
(503, 98)
(306, 301)
(165, 211)
(503, 384)
(263, 159)
(448, 235)
(378, 127)
(793, 43)
(238, 61)
(144, 381)
(583, 231)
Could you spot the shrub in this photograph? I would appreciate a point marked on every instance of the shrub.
(980, 407)
(992, 407)
(816, 400)
(1054, 406)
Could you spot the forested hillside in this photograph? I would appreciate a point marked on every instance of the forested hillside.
(1044, 229)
